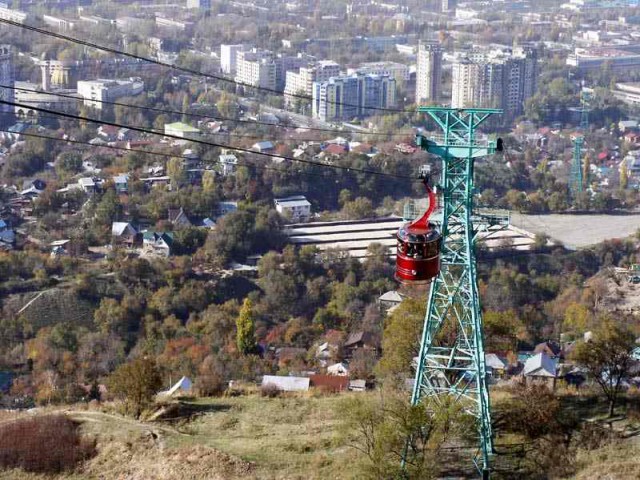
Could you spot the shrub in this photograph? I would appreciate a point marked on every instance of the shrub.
(270, 390)
(46, 444)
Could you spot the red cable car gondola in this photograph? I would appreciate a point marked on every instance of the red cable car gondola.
(418, 249)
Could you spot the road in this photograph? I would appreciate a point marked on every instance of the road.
(579, 231)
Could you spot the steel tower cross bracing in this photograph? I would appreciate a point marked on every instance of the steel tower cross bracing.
(577, 178)
(454, 365)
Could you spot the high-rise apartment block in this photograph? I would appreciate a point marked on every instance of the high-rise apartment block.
(288, 63)
(497, 79)
(399, 71)
(301, 82)
(229, 57)
(264, 69)
(199, 4)
(354, 96)
(428, 72)
(256, 68)
(7, 78)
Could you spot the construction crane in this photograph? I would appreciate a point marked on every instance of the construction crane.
(454, 367)
(578, 178)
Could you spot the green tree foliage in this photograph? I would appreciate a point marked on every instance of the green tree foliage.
(137, 381)
(401, 339)
(577, 318)
(245, 328)
(608, 357)
(379, 427)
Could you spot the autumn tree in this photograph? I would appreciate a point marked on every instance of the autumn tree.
(608, 358)
(137, 382)
(245, 328)
(401, 339)
(387, 429)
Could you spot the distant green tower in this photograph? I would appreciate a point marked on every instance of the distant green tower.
(454, 365)
(577, 180)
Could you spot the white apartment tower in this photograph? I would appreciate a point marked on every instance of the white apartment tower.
(256, 68)
(495, 80)
(428, 72)
(301, 82)
(229, 58)
(355, 96)
(7, 77)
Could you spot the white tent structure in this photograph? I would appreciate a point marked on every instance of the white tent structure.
(339, 369)
(181, 387)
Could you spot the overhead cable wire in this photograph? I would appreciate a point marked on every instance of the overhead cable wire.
(203, 142)
(190, 71)
(205, 116)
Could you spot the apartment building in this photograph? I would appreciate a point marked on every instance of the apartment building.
(354, 96)
(496, 79)
(256, 68)
(301, 82)
(428, 72)
(95, 92)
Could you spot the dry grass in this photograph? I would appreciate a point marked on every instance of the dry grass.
(257, 438)
(247, 437)
(619, 461)
(287, 437)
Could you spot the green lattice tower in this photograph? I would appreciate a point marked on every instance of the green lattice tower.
(448, 367)
(576, 178)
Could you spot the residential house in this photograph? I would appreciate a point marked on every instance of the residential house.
(263, 147)
(357, 385)
(339, 369)
(225, 207)
(228, 164)
(178, 218)
(541, 367)
(362, 148)
(156, 182)
(496, 367)
(14, 132)
(286, 384)
(108, 132)
(296, 208)
(208, 223)
(335, 150)
(632, 138)
(60, 247)
(325, 352)
(88, 185)
(627, 125)
(7, 236)
(288, 356)
(126, 134)
(124, 234)
(181, 130)
(359, 340)
(551, 349)
(157, 243)
(191, 159)
(390, 299)
(32, 188)
(121, 183)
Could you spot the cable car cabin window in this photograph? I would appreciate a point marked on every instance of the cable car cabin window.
(414, 250)
(432, 249)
